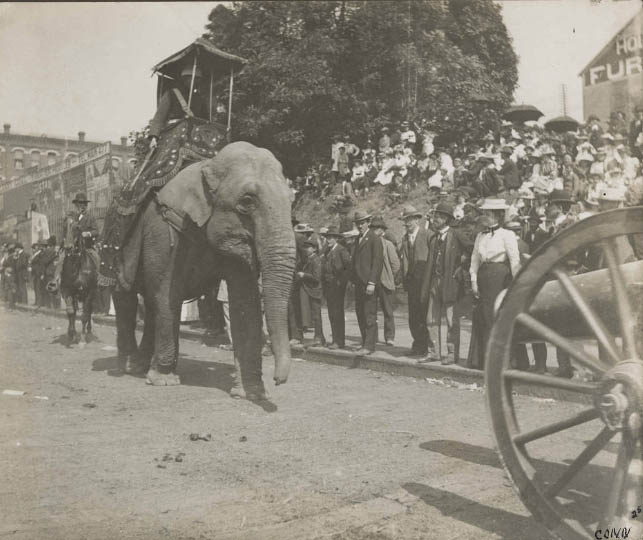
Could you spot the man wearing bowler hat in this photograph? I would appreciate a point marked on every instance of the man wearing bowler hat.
(310, 279)
(414, 254)
(386, 289)
(336, 266)
(443, 280)
(367, 262)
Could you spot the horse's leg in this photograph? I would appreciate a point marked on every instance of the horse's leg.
(126, 304)
(70, 307)
(86, 319)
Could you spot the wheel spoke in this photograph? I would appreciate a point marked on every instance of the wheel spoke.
(623, 460)
(621, 299)
(592, 320)
(539, 433)
(583, 459)
(553, 337)
(548, 381)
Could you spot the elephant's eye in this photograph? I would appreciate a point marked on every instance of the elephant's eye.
(247, 204)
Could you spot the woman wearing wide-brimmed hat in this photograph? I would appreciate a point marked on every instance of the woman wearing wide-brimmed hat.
(494, 261)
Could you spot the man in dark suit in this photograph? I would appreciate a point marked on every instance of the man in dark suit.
(414, 254)
(79, 226)
(310, 278)
(336, 265)
(367, 269)
(49, 257)
(443, 280)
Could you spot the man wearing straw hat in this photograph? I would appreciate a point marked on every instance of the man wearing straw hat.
(367, 262)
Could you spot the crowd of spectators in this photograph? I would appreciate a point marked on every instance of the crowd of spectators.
(490, 205)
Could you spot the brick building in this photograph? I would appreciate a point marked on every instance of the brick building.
(21, 154)
(45, 173)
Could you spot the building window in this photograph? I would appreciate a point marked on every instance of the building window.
(116, 163)
(18, 159)
(51, 158)
(35, 158)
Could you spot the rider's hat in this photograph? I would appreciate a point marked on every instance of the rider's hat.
(80, 198)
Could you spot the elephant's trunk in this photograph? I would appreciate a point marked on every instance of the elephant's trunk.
(277, 268)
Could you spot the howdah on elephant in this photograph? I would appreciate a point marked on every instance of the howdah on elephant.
(229, 217)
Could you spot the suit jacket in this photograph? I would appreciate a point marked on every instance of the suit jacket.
(368, 259)
(452, 285)
(37, 263)
(169, 108)
(336, 266)
(414, 269)
(74, 227)
(311, 282)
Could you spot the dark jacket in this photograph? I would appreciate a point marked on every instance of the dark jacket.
(336, 266)
(413, 268)
(74, 227)
(169, 108)
(368, 259)
(37, 267)
(49, 263)
(311, 282)
(452, 282)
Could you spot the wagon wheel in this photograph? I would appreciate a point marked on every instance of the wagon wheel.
(578, 469)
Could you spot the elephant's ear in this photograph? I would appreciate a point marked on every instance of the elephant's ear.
(190, 192)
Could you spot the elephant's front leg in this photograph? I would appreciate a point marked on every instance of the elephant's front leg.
(167, 318)
(245, 322)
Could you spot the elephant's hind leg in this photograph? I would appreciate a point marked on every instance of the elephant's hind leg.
(167, 318)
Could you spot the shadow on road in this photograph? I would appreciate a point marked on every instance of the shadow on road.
(192, 373)
(499, 522)
(584, 497)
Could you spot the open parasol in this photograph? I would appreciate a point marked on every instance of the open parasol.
(561, 124)
(522, 113)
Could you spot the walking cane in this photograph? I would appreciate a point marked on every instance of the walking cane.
(132, 183)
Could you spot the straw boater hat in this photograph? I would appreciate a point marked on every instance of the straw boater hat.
(513, 225)
(350, 234)
(611, 195)
(410, 212)
(332, 231)
(547, 150)
(303, 228)
(361, 216)
(494, 204)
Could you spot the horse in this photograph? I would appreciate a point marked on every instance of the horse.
(78, 283)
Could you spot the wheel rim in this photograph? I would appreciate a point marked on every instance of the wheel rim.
(614, 398)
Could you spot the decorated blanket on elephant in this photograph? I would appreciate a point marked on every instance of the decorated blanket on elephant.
(181, 143)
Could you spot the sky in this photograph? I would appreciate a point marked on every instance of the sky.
(70, 67)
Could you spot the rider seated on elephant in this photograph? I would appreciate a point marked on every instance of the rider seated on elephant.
(79, 226)
(173, 105)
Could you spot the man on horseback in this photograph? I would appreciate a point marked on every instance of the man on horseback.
(79, 232)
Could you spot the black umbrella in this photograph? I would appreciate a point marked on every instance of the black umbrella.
(522, 113)
(561, 124)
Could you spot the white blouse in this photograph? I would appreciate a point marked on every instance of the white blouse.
(498, 246)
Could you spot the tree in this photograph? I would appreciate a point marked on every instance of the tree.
(319, 68)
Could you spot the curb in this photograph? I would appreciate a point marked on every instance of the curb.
(450, 375)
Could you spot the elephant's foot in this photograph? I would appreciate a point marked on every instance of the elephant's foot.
(251, 393)
(134, 366)
(155, 377)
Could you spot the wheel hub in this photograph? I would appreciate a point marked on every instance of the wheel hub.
(620, 399)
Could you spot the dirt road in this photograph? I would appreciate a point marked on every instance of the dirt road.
(337, 453)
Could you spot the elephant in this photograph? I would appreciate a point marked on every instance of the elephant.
(228, 216)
